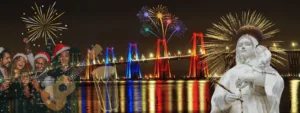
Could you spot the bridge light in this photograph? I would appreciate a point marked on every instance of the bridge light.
(143, 57)
(151, 55)
(178, 52)
(294, 44)
(189, 51)
(121, 59)
(274, 45)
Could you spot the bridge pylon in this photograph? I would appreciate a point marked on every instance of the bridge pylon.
(162, 67)
(294, 63)
(133, 68)
(198, 64)
(110, 58)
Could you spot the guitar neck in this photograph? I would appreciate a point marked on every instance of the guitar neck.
(76, 72)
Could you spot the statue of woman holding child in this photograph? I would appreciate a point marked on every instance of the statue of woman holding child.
(256, 87)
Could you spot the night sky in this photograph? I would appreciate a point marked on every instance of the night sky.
(114, 23)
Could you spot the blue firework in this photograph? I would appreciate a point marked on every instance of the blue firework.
(144, 14)
(180, 29)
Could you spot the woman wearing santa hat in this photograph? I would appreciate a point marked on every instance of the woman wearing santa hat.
(19, 90)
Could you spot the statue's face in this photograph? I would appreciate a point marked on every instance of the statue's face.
(245, 47)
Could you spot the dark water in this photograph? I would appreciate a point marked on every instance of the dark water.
(163, 96)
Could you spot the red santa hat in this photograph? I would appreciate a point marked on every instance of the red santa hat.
(22, 55)
(42, 55)
(59, 48)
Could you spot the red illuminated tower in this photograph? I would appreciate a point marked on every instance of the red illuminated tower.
(198, 64)
(162, 67)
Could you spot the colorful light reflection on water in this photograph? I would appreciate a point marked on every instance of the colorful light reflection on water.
(175, 96)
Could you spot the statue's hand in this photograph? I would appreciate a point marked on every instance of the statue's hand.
(230, 98)
(244, 80)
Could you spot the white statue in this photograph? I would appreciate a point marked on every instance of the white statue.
(252, 80)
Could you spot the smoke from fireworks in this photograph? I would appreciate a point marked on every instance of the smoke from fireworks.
(43, 24)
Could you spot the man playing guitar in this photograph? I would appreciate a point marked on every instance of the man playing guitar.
(62, 54)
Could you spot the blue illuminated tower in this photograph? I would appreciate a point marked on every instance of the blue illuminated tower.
(133, 68)
(110, 62)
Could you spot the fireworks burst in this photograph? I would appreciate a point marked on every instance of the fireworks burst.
(161, 21)
(225, 34)
(43, 24)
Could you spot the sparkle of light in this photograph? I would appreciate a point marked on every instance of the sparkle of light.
(169, 21)
(159, 15)
(151, 55)
(147, 29)
(177, 28)
(146, 14)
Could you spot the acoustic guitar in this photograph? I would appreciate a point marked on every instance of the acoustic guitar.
(55, 96)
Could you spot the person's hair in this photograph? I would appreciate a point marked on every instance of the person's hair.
(14, 65)
(252, 31)
(3, 52)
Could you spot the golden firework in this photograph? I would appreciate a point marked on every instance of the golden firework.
(43, 24)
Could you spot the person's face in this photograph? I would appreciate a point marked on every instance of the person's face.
(64, 58)
(5, 61)
(245, 47)
(20, 63)
(40, 64)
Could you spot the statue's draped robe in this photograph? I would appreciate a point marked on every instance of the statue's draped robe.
(257, 99)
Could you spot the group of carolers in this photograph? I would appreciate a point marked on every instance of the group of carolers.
(21, 93)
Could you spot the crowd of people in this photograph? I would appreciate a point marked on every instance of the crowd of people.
(24, 77)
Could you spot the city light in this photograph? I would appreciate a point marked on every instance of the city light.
(121, 59)
(201, 52)
(294, 44)
(143, 57)
(179, 53)
(274, 45)
(151, 55)
(189, 51)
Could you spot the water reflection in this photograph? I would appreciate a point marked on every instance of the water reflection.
(294, 84)
(168, 96)
(179, 98)
(152, 97)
